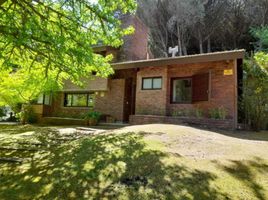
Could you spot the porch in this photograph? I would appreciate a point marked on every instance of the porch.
(192, 121)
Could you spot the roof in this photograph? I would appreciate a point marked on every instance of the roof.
(198, 58)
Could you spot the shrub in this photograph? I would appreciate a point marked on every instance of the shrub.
(254, 101)
(2, 112)
(27, 115)
(218, 113)
(92, 115)
(177, 113)
(187, 112)
(199, 113)
(222, 112)
(142, 111)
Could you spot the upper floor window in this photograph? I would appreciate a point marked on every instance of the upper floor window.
(152, 83)
(79, 99)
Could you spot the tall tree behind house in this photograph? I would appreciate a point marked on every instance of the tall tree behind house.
(200, 26)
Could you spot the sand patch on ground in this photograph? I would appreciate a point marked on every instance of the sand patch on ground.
(204, 144)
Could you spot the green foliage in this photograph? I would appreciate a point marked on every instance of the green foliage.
(185, 112)
(261, 60)
(27, 115)
(255, 92)
(178, 113)
(92, 115)
(144, 165)
(148, 111)
(218, 113)
(261, 34)
(254, 102)
(190, 112)
(2, 112)
(46, 42)
(199, 113)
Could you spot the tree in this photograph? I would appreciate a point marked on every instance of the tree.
(255, 92)
(2, 112)
(154, 14)
(190, 24)
(183, 16)
(255, 86)
(44, 42)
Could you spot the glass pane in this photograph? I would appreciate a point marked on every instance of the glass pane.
(47, 99)
(91, 100)
(40, 99)
(157, 83)
(147, 83)
(68, 100)
(182, 91)
(80, 100)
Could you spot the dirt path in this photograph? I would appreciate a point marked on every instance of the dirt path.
(205, 144)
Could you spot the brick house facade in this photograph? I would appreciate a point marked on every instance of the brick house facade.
(146, 90)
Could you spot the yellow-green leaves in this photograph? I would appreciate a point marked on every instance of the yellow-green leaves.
(44, 42)
(262, 60)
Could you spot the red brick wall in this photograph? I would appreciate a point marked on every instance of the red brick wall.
(151, 101)
(158, 101)
(60, 111)
(113, 101)
(206, 123)
(110, 104)
(135, 45)
(222, 87)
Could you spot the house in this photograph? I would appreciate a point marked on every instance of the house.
(155, 90)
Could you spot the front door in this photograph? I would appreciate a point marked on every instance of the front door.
(129, 98)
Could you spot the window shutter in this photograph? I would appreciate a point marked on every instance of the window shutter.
(200, 87)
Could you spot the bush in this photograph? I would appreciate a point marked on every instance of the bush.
(92, 115)
(199, 113)
(27, 115)
(159, 112)
(254, 101)
(218, 113)
(2, 112)
(178, 113)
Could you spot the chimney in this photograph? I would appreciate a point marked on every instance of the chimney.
(135, 46)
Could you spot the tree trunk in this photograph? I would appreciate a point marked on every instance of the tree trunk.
(184, 49)
(209, 45)
(179, 39)
(200, 42)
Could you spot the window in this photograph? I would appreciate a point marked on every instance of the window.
(154, 83)
(188, 90)
(182, 90)
(44, 99)
(79, 100)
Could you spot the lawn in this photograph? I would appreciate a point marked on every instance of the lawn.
(136, 162)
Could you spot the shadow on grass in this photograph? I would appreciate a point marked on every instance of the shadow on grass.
(246, 135)
(104, 166)
(245, 171)
(16, 129)
(240, 134)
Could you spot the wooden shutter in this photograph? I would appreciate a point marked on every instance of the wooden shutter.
(200, 87)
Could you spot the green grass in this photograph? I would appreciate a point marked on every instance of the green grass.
(128, 165)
